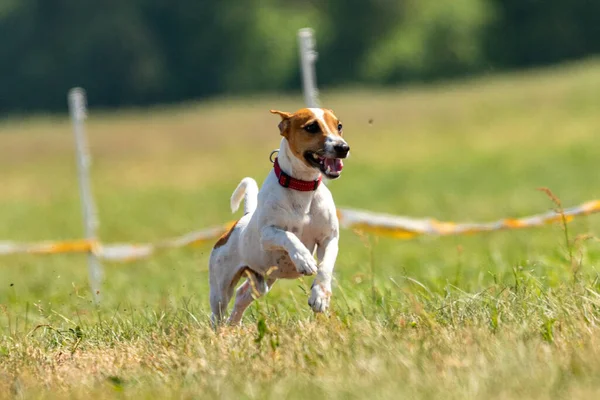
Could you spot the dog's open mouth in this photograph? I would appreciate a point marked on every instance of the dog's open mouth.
(330, 167)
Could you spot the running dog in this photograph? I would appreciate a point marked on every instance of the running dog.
(286, 221)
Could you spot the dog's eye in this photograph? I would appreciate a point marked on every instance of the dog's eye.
(312, 128)
(339, 127)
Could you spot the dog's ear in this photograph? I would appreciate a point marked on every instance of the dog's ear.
(284, 125)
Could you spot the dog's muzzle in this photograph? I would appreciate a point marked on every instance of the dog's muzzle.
(341, 150)
(329, 161)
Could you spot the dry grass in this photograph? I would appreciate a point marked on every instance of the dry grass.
(506, 342)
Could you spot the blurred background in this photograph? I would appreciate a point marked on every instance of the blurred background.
(140, 52)
(452, 109)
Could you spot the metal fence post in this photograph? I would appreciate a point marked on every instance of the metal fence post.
(77, 109)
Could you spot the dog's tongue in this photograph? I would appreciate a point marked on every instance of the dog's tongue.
(334, 164)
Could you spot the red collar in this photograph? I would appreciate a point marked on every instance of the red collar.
(288, 182)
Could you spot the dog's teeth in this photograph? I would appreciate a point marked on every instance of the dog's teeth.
(316, 157)
(328, 170)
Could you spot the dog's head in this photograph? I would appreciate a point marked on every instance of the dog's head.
(315, 137)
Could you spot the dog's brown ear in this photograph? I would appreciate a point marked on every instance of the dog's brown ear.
(283, 114)
(284, 125)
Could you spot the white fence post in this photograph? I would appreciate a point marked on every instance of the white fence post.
(77, 109)
(308, 57)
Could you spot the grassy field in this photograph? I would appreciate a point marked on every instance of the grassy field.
(504, 315)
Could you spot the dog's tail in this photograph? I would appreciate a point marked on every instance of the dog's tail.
(247, 190)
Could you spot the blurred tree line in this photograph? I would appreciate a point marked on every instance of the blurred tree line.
(149, 51)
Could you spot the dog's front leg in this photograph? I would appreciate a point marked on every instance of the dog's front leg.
(321, 287)
(273, 238)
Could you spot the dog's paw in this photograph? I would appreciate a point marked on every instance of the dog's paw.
(305, 263)
(319, 298)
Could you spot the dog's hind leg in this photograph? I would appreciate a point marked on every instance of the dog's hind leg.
(223, 280)
(254, 287)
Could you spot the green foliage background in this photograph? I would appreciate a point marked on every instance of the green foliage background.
(145, 52)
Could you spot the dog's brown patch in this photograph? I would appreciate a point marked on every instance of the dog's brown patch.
(225, 237)
(332, 122)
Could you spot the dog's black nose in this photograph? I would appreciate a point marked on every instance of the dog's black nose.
(341, 150)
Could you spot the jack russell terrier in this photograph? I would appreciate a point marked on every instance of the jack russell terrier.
(283, 223)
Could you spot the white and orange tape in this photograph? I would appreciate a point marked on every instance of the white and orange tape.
(364, 221)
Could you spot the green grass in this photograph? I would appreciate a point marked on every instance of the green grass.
(500, 315)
